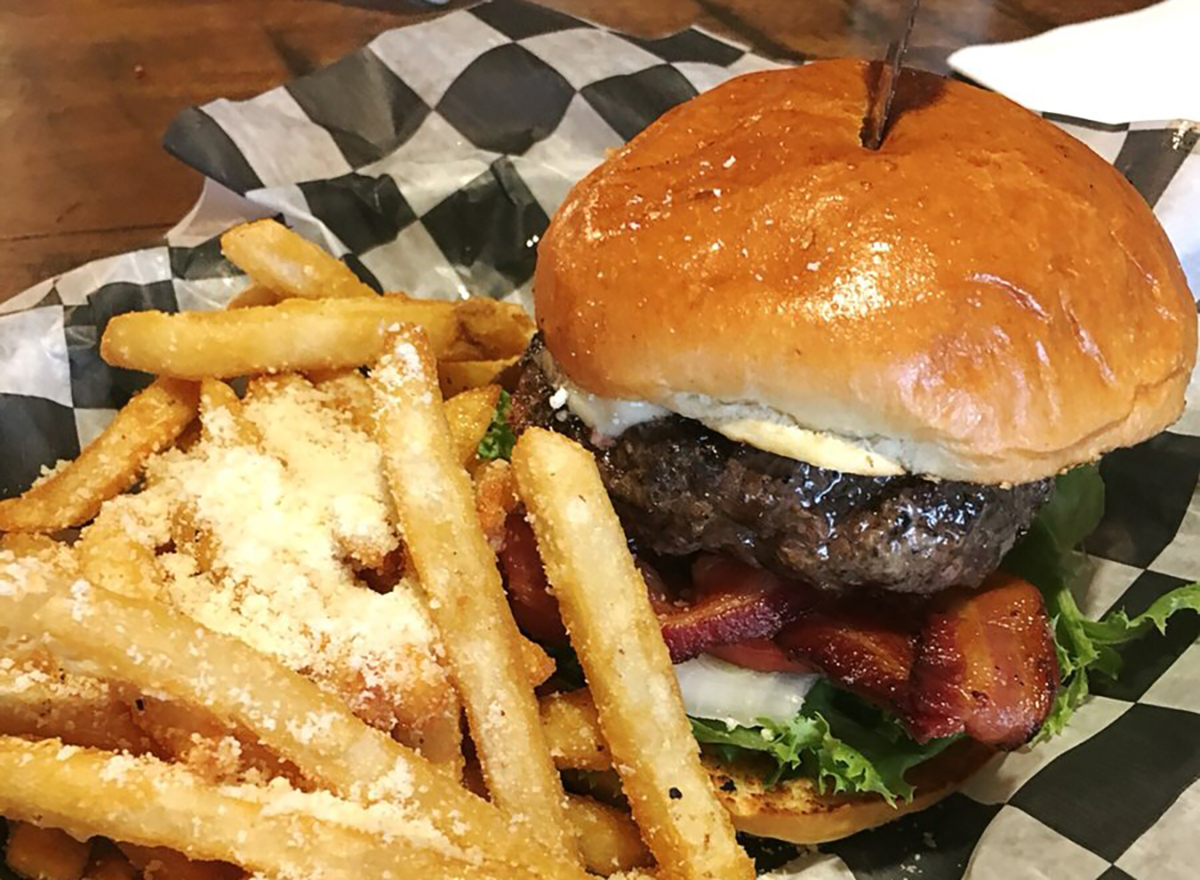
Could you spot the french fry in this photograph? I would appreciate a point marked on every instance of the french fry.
(392, 678)
(338, 465)
(606, 608)
(457, 568)
(495, 499)
(85, 722)
(608, 838)
(109, 464)
(210, 748)
(159, 650)
(39, 699)
(269, 829)
(468, 416)
(279, 259)
(45, 853)
(221, 415)
(573, 731)
(263, 687)
(493, 330)
(275, 385)
(57, 554)
(191, 538)
(305, 335)
(455, 377)
(254, 295)
(29, 544)
(347, 391)
(110, 556)
(161, 863)
(539, 665)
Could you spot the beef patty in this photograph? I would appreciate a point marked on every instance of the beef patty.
(680, 488)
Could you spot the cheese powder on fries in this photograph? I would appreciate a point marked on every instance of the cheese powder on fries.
(260, 553)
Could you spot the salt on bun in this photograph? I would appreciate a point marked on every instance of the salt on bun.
(983, 299)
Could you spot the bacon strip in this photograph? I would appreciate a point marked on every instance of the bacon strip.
(980, 661)
(863, 649)
(733, 602)
(533, 605)
(985, 665)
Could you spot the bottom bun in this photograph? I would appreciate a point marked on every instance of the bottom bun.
(797, 812)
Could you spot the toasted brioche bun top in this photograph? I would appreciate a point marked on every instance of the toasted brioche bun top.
(984, 298)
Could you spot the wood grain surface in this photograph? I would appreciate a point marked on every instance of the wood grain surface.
(87, 87)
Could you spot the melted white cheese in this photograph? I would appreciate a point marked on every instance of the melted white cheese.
(607, 415)
(720, 691)
(791, 441)
(755, 426)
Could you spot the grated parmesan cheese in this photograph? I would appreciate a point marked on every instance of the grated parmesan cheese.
(385, 821)
(270, 530)
(396, 368)
(258, 537)
(33, 675)
(312, 725)
(335, 464)
(80, 604)
(48, 472)
(396, 786)
(118, 767)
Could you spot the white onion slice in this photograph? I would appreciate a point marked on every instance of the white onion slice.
(720, 691)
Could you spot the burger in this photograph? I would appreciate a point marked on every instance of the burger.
(848, 405)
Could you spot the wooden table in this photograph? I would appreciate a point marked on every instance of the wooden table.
(87, 87)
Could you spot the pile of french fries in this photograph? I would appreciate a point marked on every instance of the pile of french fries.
(143, 734)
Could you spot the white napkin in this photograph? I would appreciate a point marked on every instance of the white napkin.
(1136, 66)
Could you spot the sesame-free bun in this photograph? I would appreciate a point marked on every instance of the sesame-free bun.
(798, 812)
(984, 298)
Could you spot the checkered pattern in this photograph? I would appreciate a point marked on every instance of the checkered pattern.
(454, 139)
(431, 160)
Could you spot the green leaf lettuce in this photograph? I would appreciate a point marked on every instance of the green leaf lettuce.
(499, 439)
(843, 742)
(1047, 558)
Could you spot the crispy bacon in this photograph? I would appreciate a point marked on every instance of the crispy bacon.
(732, 602)
(533, 605)
(865, 649)
(975, 661)
(761, 655)
(985, 665)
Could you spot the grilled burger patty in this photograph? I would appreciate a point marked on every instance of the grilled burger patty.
(680, 488)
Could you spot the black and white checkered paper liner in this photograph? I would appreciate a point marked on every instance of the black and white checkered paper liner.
(431, 160)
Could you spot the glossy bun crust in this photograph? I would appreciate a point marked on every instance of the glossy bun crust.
(982, 299)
